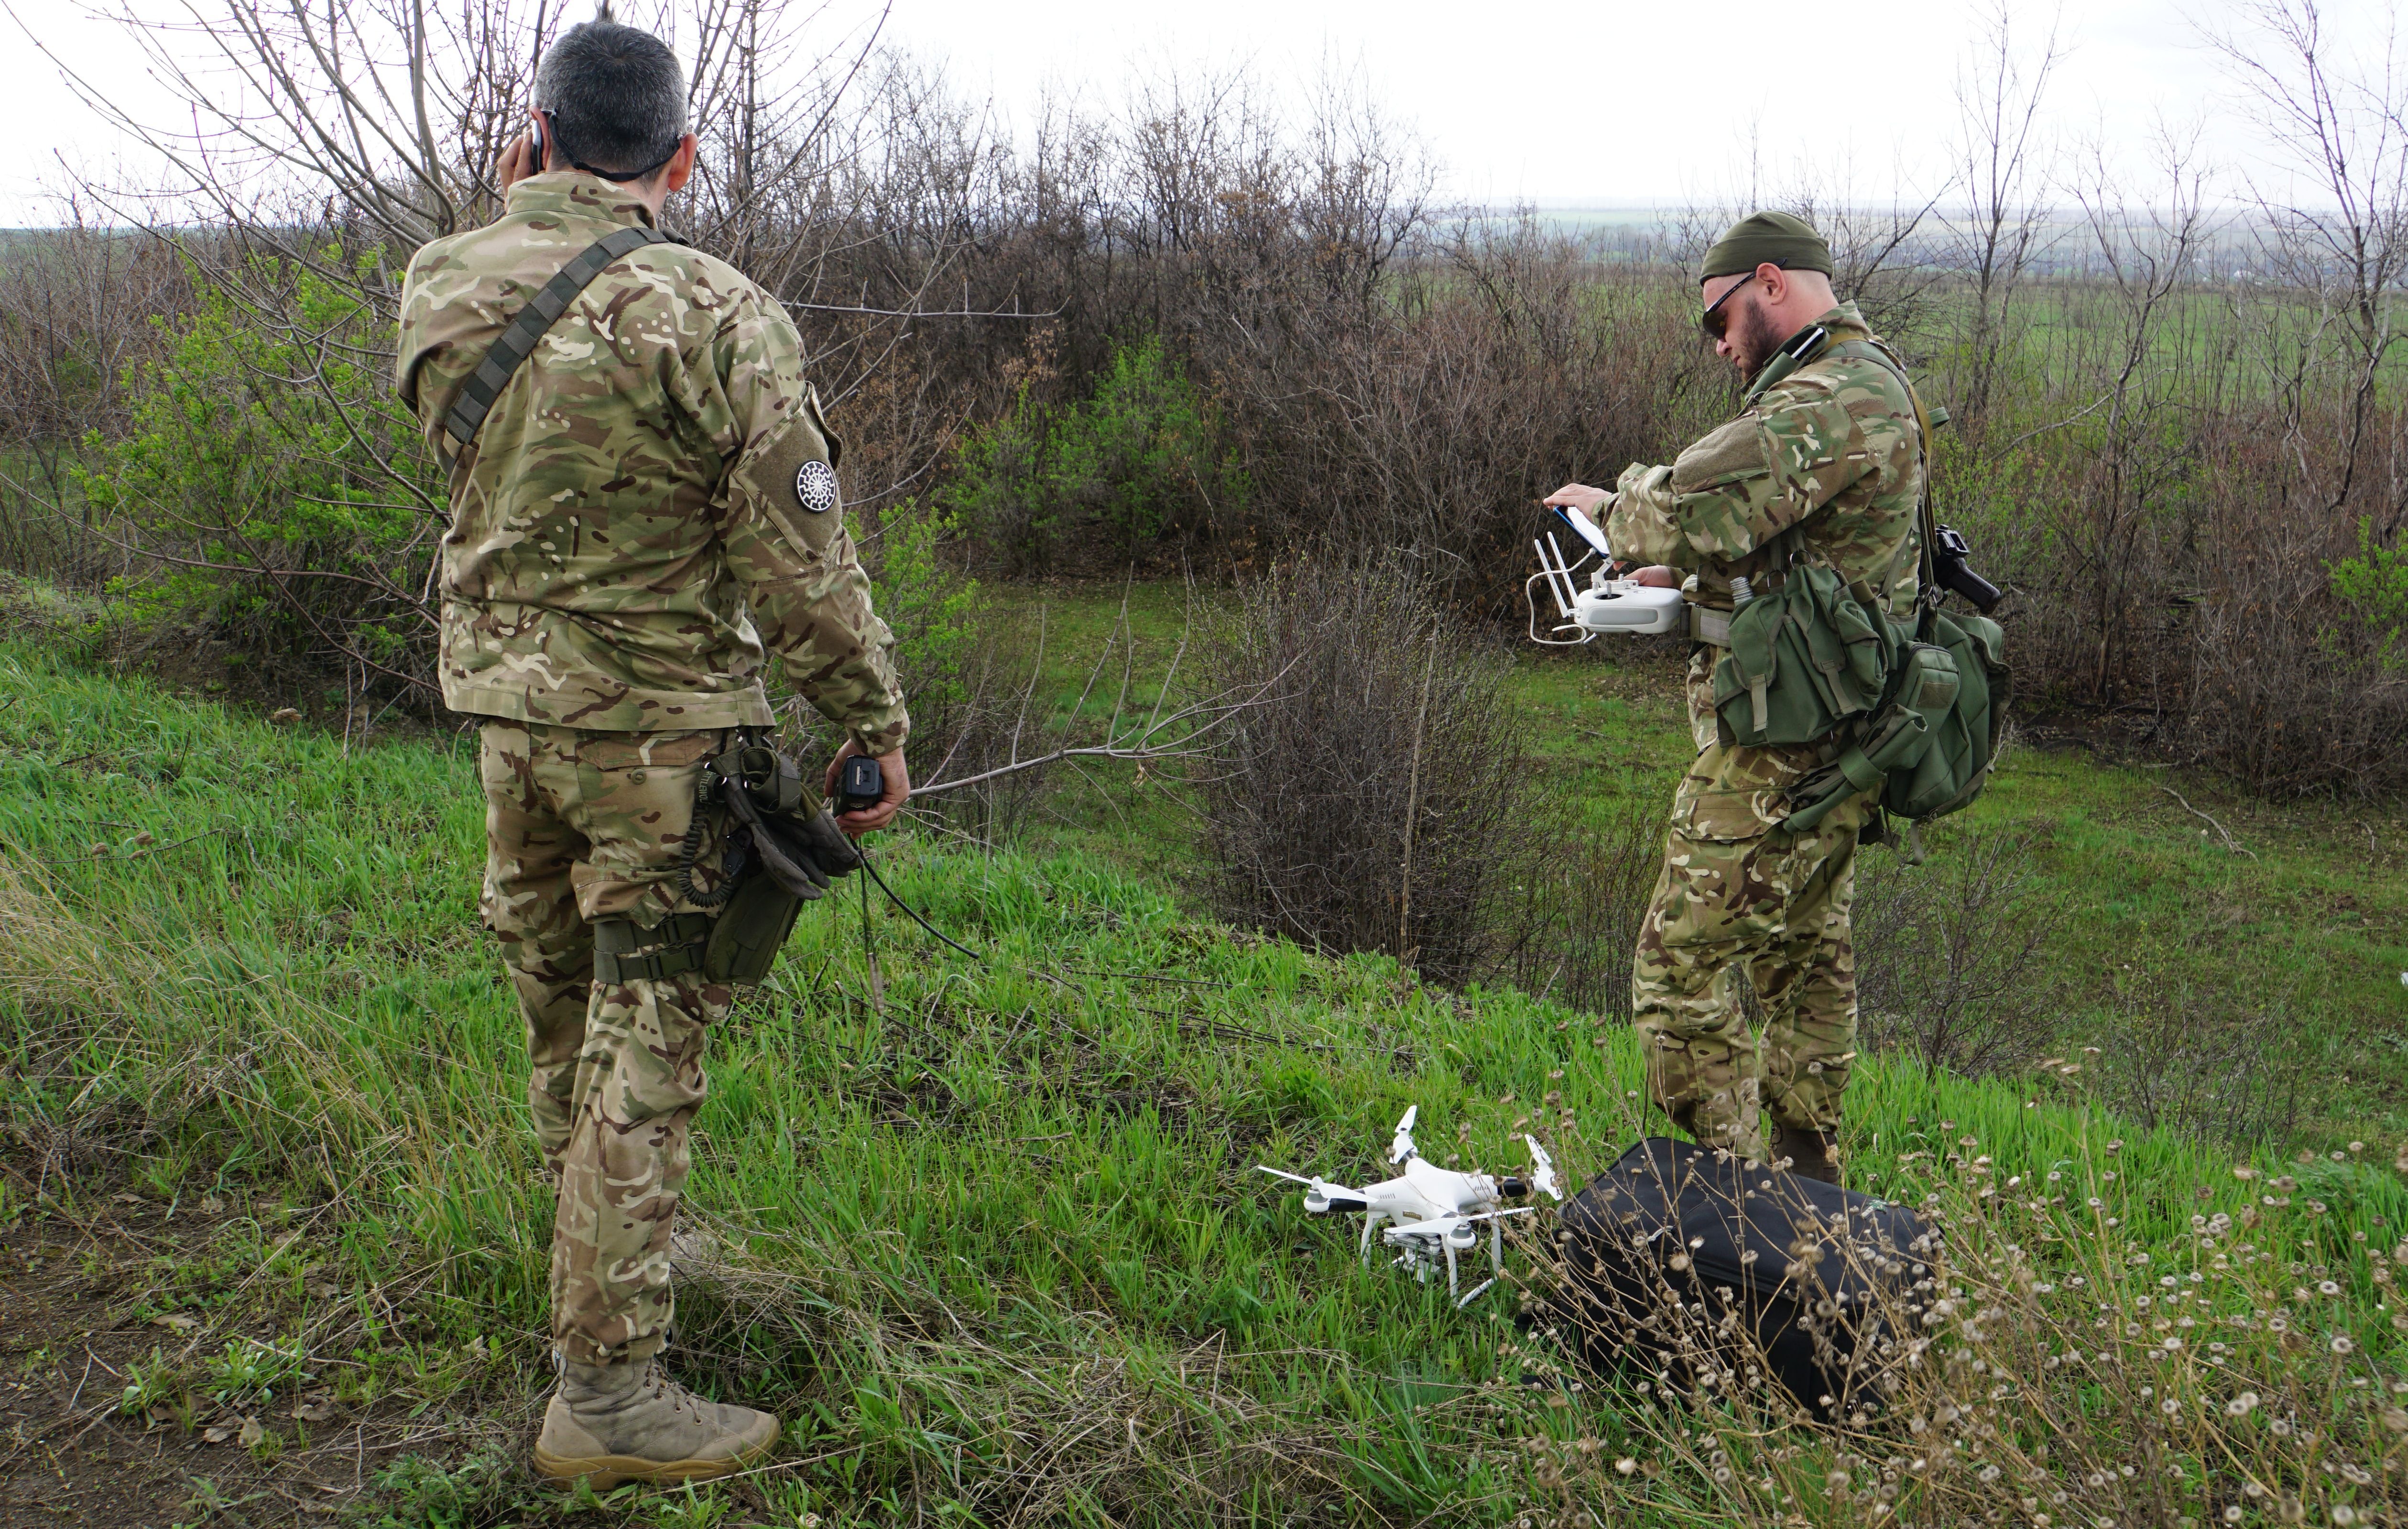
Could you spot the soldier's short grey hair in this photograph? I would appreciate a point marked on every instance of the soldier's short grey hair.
(615, 94)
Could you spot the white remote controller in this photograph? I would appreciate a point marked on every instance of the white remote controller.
(1626, 605)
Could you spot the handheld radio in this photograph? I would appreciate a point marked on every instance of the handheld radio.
(860, 785)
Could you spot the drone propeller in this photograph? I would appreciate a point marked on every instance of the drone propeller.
(1320, 1195)
(1542, 1168)
(1402, 1146)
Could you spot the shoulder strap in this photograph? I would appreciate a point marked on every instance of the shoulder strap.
(1927, 532)
(517, 342)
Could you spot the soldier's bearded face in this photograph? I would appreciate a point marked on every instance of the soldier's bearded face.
(1748, 338)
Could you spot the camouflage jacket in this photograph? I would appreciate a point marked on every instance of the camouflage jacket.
(1830, 449)
(650, 509)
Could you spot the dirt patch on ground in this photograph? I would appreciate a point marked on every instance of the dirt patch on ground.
(95, 1302)
(210, 1362)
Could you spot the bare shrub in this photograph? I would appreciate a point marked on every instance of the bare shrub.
(1949, 954)
(79, 314)
(1502, 360)
(1580, 887)
(2207, 1064)
(1364, 804)
(2002, 231)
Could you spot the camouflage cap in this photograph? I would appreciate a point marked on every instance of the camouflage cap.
(1761, 238)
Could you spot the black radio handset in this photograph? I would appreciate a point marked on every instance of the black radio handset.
(1795, 351)
(537, 149)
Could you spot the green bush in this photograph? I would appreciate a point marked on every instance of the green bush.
(277, 486)
(2374, 586)
(1136, 460)
(937, 617)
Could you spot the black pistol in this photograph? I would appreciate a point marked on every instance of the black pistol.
(1949, 553)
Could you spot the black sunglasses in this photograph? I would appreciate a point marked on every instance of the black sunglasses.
(1714, 321)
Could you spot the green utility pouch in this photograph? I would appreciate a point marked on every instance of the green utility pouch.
(1953, 770)
(1929, 748)
(782, 853)
(749, 932)
(1804, 659)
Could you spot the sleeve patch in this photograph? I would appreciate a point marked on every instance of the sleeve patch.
(786, 479)
(1734, 452)
(815, 487)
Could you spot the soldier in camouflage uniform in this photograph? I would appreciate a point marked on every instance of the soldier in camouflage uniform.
(1829, 451)
(646, 513)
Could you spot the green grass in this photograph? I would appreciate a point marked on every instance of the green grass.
(994, 1246)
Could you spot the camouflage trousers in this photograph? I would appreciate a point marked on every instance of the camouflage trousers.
(579, 827)
(1737, 893)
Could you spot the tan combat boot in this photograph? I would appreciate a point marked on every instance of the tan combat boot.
(631, 1422)
(1814, 1154)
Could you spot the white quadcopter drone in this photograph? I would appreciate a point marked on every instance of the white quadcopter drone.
(1608, 604)
(1431, 1210)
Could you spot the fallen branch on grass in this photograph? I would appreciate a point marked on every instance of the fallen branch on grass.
(2230, 847)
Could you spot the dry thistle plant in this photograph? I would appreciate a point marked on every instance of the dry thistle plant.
(2066, 1352)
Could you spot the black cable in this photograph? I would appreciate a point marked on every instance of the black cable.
(868, 952)
(731, 864)
(864, 852)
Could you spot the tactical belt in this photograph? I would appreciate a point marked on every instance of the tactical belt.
(1707, 624)
(501, 362)
(625, 954)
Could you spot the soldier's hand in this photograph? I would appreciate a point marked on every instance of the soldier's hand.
(1579, 496)
(1658, 576)
(518, 162)
(898, 791)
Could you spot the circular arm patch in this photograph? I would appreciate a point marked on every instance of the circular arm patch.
(815, 487)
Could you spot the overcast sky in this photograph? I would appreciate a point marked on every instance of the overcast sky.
(1592, 104)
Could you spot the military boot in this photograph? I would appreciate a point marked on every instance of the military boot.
(1813, 1154)
(631, 1422)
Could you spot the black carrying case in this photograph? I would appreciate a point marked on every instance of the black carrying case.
(1684, 1262)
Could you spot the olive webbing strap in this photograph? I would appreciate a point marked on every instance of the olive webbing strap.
(623, 952)
(517, 342)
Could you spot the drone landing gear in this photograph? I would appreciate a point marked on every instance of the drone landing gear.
(1496, 1267)
(1423, 1262)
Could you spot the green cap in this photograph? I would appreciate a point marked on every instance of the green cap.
(1768, 238)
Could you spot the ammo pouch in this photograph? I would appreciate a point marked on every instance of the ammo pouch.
(749, 933)
(1804, 659)
(780, 854)
(1929, 746)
